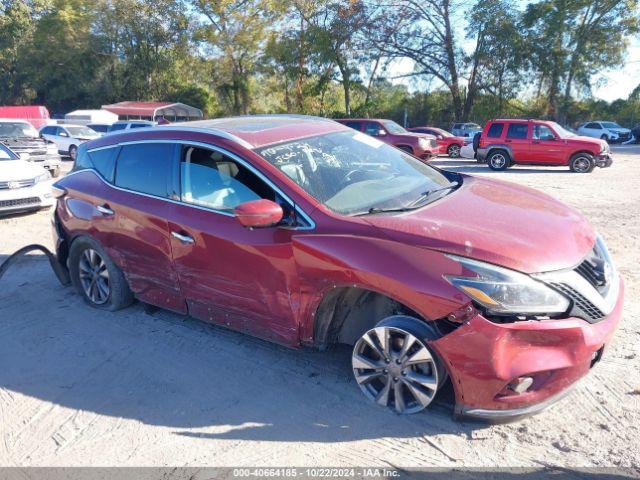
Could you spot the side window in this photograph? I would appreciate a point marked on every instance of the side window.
(592, 125)
(211, 179)
(542, 132)
(518, 130)
(104, 161)
(138, 125)
(47, 130)
(145, 167)
(372, 128)
(495, 130)
(354, 125)
(456, 126)
(117, 126)
(61, 132)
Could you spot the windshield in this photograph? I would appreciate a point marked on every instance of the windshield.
(562, 132)
(472, 126)
(352, 173)
(444, 133)
(6, 154)
(17, 129)
(610, 125)
(80, 132)
(393, 127)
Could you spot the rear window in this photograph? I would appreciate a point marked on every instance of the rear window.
(518, 130)
(495, 130)
(117, 126)
(145, 168)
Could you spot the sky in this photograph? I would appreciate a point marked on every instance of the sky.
(608, 85)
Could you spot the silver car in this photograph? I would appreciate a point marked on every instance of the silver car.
(465, 129)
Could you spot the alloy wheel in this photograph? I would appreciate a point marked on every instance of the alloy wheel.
(454, 151)
(94, 276)
(581, 164)
(498, 160)
(395, 369)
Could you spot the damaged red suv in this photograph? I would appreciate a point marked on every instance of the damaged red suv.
(305, 232)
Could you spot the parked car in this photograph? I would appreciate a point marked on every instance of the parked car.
(21, 137)
(449, 144)
(101, 128)
(127, 125)
(24, 185)
(506, 142)
(68, 137)
(304, 232)
(636, 133)
(608, 131)
(465, 129)
(417, 144)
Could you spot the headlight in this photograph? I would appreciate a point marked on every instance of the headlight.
(504, 291)
(42, 178)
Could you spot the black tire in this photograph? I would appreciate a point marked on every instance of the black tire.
(582, 163)
(384, 360)
(118, 295)
(404, 148)
(73, 152)
(604, 137)
(498, 160)
(454, 150)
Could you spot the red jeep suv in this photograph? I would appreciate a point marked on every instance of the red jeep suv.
(305, 232)
(417, 144)
(535, 142)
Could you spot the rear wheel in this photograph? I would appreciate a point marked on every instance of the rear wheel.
(100, 282)
(453, 151)
(404, 148)
(498, 160)
(604, 137)
(395, 367)
(582, 163)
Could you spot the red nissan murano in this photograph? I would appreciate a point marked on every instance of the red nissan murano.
(303, 231)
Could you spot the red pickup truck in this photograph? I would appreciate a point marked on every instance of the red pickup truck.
(417, 144)
(506, 142)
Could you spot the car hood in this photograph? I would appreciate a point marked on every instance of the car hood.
(580, 139)
(19, 170)
(619, 130)
(496, 222)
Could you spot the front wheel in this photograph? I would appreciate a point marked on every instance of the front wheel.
(581, 163)
(498, 160)
(100, 282)
(453, 151)
(395, 367)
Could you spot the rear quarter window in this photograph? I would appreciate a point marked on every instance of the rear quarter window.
(518, 130)
(104, 161)
(495, 130)
(145, 168)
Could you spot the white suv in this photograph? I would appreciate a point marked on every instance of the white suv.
(68, 137)
(608, 131)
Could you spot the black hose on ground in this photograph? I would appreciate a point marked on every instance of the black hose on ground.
(60, 271)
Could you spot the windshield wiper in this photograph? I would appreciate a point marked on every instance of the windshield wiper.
(428, 193)
(374, 210)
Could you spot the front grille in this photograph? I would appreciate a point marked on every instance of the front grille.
(581, 306)
(593, 271)
(18, 184)
(20, 202)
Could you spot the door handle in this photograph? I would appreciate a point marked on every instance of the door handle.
(182, 237)
(105, 210)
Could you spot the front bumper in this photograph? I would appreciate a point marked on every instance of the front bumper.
(483, 358)
(25, 199)
(604, 160)
(50, 161)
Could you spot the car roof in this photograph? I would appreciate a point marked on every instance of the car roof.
(260, 130)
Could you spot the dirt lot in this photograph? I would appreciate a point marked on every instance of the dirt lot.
(83, 387)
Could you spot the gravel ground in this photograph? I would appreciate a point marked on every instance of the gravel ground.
(84, 387)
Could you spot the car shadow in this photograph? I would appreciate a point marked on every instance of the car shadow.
(473, 167)
(168, 370)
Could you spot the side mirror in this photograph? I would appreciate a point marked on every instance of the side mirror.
(258, 213)
(549, 138)
(381, 133)
(25, 156)
(63, 134)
